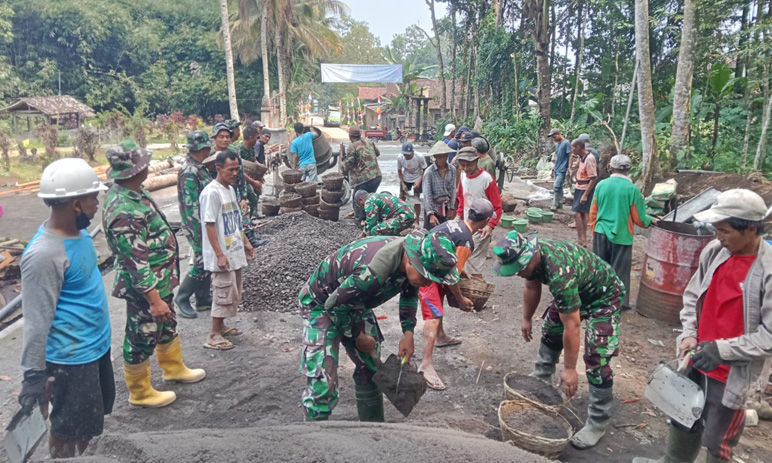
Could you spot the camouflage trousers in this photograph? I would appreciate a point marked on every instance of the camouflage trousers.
(197, 271)
(601, 337)
(252, 199)
(319, 362)
(396, 225)
(143, 333)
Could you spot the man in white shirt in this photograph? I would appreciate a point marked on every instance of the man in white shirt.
(224, 246)
(410, 169)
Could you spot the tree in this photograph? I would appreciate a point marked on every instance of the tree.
(230, 73)
(537, 12)
(682, 92)
(645, 97)
(436, 43)
(579, 53)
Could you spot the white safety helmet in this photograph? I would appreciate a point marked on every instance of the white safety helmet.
(69, 177)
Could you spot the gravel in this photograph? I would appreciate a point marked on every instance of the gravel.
(297, 243)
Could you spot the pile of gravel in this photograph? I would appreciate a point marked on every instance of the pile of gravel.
(297, 243)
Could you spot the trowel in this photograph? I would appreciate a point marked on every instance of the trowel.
(401, 383)
(23, 434)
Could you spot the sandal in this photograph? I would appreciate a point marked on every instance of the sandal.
(434, 382)
(219, 345)
(230, 331)
(451, 342)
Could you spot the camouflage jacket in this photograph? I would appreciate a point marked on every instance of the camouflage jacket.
(381, 208)
(246, 153)
(144, 245)
(577, 278)
(361, 162)
(191, 181)
(360, 276)
(241, 185)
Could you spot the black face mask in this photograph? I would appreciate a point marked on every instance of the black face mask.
(82, 221)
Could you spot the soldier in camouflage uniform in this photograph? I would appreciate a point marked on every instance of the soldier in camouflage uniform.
(360, 162)
(146, 272)
(191, 181)
(385, 214)
(337, 307)
(246, 151)
(584, 287)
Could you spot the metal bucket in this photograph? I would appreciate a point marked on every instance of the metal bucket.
(672, 257)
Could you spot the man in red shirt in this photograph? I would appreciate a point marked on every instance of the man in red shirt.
(586, 179)
(727, 318)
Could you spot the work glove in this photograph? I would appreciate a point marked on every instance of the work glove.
(33, 389)
(707, 358)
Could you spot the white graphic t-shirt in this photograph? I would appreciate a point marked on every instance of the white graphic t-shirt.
(220, 206)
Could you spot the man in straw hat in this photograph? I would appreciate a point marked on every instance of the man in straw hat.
(584, 287)
(147, 270)
(336, 306)
(727, 323)
(439, 187)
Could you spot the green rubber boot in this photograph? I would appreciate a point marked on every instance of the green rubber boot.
(682, 447)
(204, 294)
(546, 360)
(710, 458)
(182, 300)
(598, 418)
(369, 403)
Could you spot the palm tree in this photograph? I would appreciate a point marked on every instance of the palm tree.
(226, 35)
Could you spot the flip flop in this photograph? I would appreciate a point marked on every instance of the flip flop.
(434, 382)
(231, 331)
(219, 345)
(452, 342)
(572, 225)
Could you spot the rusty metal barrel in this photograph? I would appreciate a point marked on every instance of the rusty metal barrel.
(672, 257)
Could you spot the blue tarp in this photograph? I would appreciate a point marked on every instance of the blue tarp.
(357, 73)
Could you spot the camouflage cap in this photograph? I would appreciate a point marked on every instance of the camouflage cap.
(514, 252)
(433, 255)
(198, 140)
(219, 127)
(127, 160)
(232, 123)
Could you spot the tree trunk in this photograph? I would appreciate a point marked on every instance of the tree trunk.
(646, 107)
(226, 35)
(761, 148)
(462, 100)
(453, 63)
(579, 53)
(517, 87)
(683, 82)
(468, 101)
(281, 60)
(616, 80)
(437, 46)
(264, 53)
(742, 63)
(537, 11)
(748, 118)
(629, 106)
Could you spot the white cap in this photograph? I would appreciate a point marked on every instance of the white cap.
(69, 177)
(449, 129)
(621, 161)
(737, 203)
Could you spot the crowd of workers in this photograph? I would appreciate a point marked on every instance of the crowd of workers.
(418, 248)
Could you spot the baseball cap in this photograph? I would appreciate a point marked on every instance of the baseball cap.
(407, 148)
(354, 131)
(553, 132)
(737, 203)
(514, 252)
(463, 133)
(481, 209)
(584, 136)
(467, 153)
(433, 255)
(621, 161)
(449, 129)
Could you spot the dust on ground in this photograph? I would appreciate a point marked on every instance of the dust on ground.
(692, 183)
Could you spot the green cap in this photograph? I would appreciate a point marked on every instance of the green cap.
(198, 140)
(433, 255)
(127, 160)
(232, 123)
(514, 252)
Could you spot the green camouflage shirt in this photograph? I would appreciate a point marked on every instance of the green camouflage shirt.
(246, 153)
(143, 243)
(387, 215)
(577, 278)
(241, 183)
(361, 162)
(362, 275)
(191, 181)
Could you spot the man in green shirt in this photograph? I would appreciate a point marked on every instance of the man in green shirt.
(385, 214)
(584, 288)
(616, 207)
(485, 161)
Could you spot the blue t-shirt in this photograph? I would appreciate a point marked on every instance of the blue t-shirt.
(453, 143)
(563, 154)
(304, 147)
(80, 332)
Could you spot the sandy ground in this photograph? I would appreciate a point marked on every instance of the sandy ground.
(257, 385)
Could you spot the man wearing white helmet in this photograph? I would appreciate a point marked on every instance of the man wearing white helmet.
(66, 319)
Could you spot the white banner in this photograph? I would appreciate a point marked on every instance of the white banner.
(353, 73)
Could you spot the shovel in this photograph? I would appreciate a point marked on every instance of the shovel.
(402, 384)
(675, 395)
(23, 434)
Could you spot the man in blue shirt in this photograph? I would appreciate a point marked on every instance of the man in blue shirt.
(450, 133)
(66, 319)
(302, 153)
(562, 156)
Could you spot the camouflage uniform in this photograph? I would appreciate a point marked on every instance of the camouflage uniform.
(191, 181)
(336, 305)
(361, 164)
(146, 254)
(579, 280)
(252, 196)
(387, 215)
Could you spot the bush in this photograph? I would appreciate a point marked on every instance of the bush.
(87, 141)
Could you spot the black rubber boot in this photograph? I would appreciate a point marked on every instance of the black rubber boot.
(255, 240)
(369, 403)
(546, 360)
(204, 294)
(182, 300)
(682, 447)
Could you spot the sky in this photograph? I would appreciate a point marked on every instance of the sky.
(390, 17)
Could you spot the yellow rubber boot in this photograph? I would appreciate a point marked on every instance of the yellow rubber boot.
(141, 392)
(170, 358)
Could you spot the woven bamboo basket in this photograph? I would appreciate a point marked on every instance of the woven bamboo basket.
(476, 289)
(291, 177)
(289, 188)
(271, 208)
(287, 210)
(306, 189)
(333, 181)
(312, 209)
(254, 170)
(290, 200)
(329, 214)
(312, 200)
(332, 197)
(514, 394)
(325, 206)
(546, 447)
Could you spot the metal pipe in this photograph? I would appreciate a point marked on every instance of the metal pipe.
(11, 306)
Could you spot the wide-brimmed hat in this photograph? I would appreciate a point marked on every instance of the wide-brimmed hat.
(433, 255)
(219, 127)
(440, 148)
(514, 252)
(198, 140)
(127, 160)
(467, 153)
(737, 203)
(211, 158)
